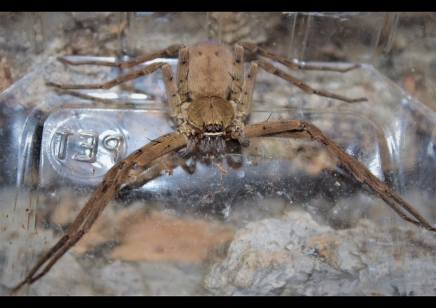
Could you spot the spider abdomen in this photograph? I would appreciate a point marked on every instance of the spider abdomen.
(210, 69)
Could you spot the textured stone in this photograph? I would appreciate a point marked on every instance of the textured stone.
(297, 256)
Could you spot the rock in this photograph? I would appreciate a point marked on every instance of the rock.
(297, 256)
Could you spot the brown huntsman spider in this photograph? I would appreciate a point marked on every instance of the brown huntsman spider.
(209, 99)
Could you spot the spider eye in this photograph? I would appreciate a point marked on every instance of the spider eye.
(213, 128)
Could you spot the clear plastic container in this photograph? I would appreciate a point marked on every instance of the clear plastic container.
(280, 217)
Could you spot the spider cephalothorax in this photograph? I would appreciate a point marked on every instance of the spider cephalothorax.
(210, 121)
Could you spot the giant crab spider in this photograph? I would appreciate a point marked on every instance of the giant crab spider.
(209, 100)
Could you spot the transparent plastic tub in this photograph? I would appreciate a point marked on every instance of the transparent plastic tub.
(280, 217)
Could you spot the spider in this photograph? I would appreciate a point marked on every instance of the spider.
(209, 100)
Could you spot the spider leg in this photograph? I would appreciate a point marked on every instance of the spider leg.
(238, 73)
(242, 90)
(176, 92)
(245, 96)
(113, 179)
(292, 65)
(306, 130)
(304, 86)
(116, 81)
(182, 74)
(163, 165)
(170, 51)
(363, 175)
